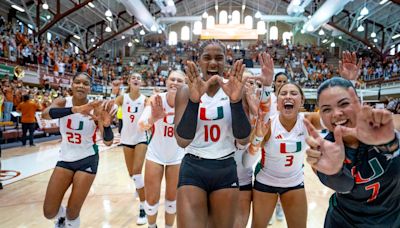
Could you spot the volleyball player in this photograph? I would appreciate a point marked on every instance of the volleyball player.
(163, 152)
(134, 139)
(209, 117)
(77, 165)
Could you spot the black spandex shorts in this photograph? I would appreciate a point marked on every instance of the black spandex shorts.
(88, 164)
(208, 174)
(133, 146)
(277, 190)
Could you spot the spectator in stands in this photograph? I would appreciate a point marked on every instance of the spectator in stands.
(28, 109)
(8, 99)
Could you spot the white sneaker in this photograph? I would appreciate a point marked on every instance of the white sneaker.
(60, 223)
(280, 216)
(142, 218)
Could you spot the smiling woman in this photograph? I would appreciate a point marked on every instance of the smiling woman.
(79, 157)
(208, 183)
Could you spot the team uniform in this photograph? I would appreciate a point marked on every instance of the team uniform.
(163, 148)
(131, 135)
(282, 158)
(209, 162)
(374, 200)
(78, 151)
(245, 175)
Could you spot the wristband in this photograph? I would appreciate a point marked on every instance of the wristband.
(266, 93)
(257, 140)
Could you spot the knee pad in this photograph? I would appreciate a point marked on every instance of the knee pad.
(170, 206)
(150, 209)
(139, 182)
(73, 223)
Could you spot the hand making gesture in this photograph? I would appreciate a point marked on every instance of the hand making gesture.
(234, 87)
(325, 156)
(197, 86)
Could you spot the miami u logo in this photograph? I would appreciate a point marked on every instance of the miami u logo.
(290, 147)
(169, 119)
(130, 110)
(376, 169)
(220, 114)
(69, 125)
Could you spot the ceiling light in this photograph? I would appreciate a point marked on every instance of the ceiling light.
(383, 2)
(302, 31)
(333, 44)
(109, 19)
(130, 44)
(17, 7)
(360, 17)
(364, 11)
(375, 40)
(360, 28)
(92, 40)
(48, 17)
(108, 29)
(396, 36)
(321, 32)
(373, 34)
(216, 7)
(123, 37)
(340, 37)
(258, 14)
(310, 28)
(45, 6)
(243, 6)
(136, 40)
(153, 28)
(77, 37)
(159, 31)
(108, 13)
(205, 15)
(94, 45)
(142, 32)
(91, 4)
(324, 41)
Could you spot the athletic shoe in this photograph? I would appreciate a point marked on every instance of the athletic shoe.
(60, 223)
(280, 216)
(271, 221)
(142, 218)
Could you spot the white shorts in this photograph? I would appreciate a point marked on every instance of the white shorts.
(164, 159)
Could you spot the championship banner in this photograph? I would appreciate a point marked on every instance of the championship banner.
(43, 124)
(6, 70)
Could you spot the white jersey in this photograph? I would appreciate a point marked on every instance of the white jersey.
(283, 155)
(273, 110)
(214, 136)
(245, 175)
(163, 148)
(131, 134)
(78, 136)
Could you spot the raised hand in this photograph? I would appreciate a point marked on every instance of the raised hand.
(252, 97)
(197, 86)
(325, 156)
(374, 126)
(348, 66)
(262, 126)
(267, 68)
(157, 109)
(234, 87)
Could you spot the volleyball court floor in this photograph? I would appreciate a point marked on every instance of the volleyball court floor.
(111, 201)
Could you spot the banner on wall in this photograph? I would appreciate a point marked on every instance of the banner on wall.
(43, 124)
(6, 70)
(31, 77)
(59, 81)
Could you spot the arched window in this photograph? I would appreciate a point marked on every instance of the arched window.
(273, 33)
(223, 17)
(248, 21)
(210, 22)
(172, 38)
(261, 28)
(235, 17)
(197, 27)
(286, 36)
(185, 33)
